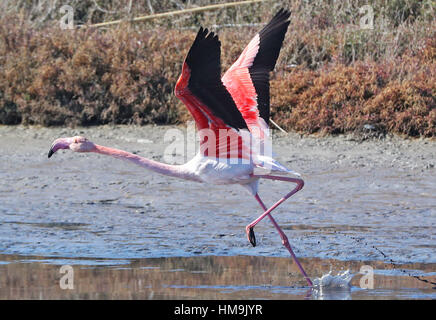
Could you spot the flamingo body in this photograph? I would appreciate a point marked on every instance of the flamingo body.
(212, 171)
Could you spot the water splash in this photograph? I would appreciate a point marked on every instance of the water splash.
(328, 281)
(333, 287)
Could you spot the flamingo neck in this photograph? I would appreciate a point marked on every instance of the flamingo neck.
(158, 167)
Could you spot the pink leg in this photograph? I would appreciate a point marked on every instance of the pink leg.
(249, 228)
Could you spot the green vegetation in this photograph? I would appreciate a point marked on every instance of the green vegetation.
(332, 76)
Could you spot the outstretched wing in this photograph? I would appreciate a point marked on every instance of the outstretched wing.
(247, 79)
(202, 91)
(200, 86)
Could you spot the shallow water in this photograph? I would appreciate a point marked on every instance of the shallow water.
(204, 277)
(370, 201)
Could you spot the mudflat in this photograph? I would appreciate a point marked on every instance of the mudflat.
(371, 200)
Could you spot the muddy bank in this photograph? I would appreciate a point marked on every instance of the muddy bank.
(370, 200)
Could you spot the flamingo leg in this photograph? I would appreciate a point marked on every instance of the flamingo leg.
(285, 241)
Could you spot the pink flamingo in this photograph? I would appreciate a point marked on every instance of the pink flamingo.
(227, 108)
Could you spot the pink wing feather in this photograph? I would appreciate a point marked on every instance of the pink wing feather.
(238, 82)
(247, 79)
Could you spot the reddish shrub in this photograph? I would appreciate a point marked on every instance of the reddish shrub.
(331, 77)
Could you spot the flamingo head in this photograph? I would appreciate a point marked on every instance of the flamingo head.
(77, 144)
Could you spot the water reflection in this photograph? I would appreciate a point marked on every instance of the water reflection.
(204, 277)
(331, 294)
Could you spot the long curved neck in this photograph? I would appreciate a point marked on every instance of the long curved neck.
(158, 167)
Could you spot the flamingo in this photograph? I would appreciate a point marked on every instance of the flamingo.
(226, 110)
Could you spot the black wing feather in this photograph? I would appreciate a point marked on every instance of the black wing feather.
(205, 82)
(271, 40)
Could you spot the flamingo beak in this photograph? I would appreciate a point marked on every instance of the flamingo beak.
(50, 152)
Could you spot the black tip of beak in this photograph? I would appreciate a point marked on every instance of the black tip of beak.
(50, 153)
